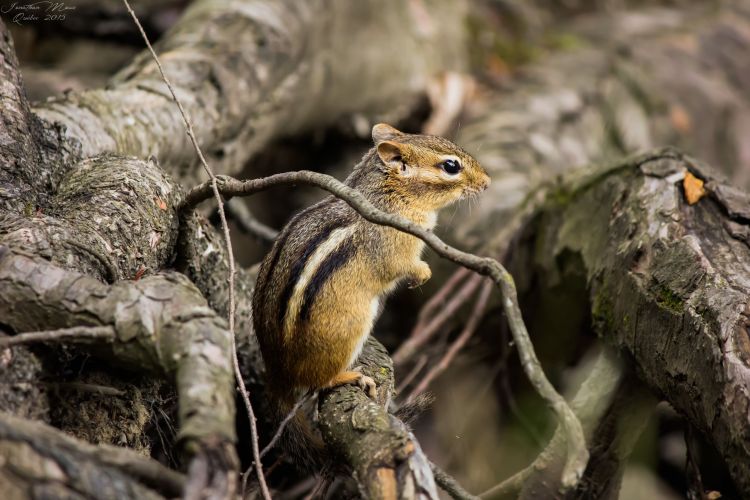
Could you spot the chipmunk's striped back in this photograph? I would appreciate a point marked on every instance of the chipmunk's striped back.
(316, 244)
(321, 286)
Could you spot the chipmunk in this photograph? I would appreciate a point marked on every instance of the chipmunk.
(322, 285)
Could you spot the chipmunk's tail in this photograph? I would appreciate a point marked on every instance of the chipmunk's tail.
(299, 440)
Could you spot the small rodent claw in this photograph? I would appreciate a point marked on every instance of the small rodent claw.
(417, 281)
(368, 385)
(420, 276)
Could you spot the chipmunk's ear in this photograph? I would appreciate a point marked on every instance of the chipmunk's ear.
(392, 154)
(384, 132)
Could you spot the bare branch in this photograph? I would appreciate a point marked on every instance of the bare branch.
(247, 222)
(577, 456)
(457, 345)
(450, 485)
(423, 332)
(76, 334)
(230, 258)
(275, 438)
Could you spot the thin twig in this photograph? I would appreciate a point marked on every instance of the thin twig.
(577, 453)
(102, 390)
(230, 256)
(422, 333)
(421, 362)
(458, 344)
(510, 487)
(437, 300)
(247, 222)
(76, 334)
(427, 311)
(275, 437)
(499, 246)
(283, 424)
(450, 485)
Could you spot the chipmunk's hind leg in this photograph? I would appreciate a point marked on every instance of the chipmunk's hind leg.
(357, 378)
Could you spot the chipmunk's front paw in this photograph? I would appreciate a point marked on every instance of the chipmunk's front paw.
(419, 277)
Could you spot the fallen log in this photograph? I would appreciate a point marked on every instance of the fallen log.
(666, 277)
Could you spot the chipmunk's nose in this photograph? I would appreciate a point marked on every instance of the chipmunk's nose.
(485, 182)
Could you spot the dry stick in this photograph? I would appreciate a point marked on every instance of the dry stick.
(247, 222)
(283, 423)
(276, 436)
(458, 344)
(421, 362)
(75, 334)
(420, 335)
(230, 256)
(446, 288)
(577, 452)
(450, 485)
(427, 312)
(499, 245)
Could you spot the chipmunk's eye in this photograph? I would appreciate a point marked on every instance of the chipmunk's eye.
(451, 167)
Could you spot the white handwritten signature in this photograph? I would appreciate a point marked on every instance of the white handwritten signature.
(41, 6)
(27, 12)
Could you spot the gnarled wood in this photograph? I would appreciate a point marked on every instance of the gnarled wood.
(668, 283)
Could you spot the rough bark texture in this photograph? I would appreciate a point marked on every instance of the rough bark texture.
(630, 82)
(385, 456)
(22, 176)
(40, 462)
(667, 283)
(87, 230)
(251, 71)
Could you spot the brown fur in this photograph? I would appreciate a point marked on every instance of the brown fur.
(309, 338)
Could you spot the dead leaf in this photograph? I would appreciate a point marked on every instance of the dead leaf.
(713, 495)
(694, 189)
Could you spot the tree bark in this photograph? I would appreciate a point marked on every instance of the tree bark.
(87, 230)
(254, 71)
(634, 80)
(40, 462)
(666, 283)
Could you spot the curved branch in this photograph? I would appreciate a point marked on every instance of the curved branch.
(577, 452)
(667, 283)
(383, 453)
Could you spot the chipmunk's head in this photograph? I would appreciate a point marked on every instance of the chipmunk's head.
(430, 171)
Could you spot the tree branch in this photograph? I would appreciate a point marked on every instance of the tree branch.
(75, 334)
(255, 70)
(230, 258)
(666, 283)
(577, 452)
(39, 461)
